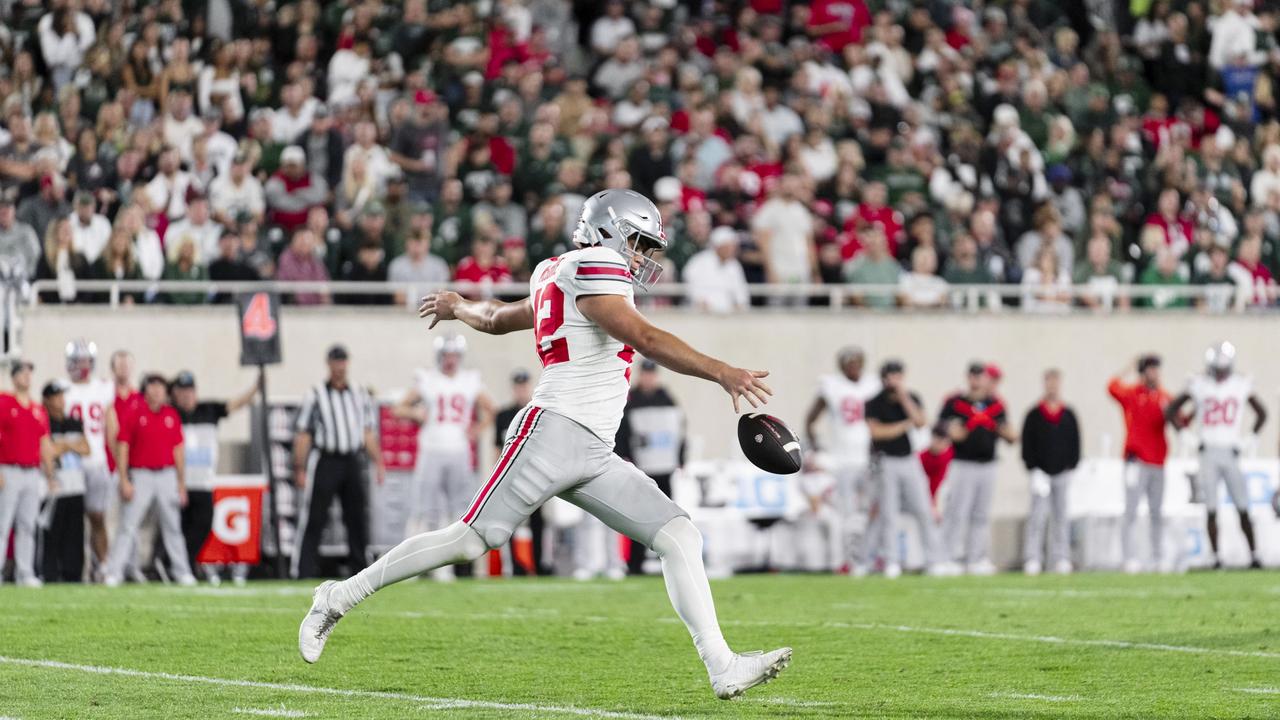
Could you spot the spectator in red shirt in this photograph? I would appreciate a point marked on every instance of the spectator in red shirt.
(935, 458)
(873, 210)
(836, 23)
(152, 468)
(482, 266)
(1145, 449)
(26, 458)
(1249, 261)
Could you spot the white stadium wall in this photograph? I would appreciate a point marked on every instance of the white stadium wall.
(796, 347)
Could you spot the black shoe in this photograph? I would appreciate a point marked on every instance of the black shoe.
(1217, 564)
(1255, 564)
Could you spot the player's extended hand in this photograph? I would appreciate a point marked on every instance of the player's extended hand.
(441, 304)
(747, 384)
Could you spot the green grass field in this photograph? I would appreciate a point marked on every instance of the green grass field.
(1092, 646)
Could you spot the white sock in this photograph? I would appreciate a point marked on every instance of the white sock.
(420, 553)
(679, 545)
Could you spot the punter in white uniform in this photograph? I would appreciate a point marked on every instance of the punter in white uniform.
(450, 404)
(842, 398)
(89, 399)
(586, 330)
(1219, 397)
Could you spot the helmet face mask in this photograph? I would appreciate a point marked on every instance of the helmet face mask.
(82, 357)
(628, 223)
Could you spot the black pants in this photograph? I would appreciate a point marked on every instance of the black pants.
(197, 522)
(340, 476)
(635, 558)
(63, 541)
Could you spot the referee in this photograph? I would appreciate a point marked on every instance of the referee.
(335, 429)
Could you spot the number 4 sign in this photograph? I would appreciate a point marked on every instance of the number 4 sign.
(259, 329)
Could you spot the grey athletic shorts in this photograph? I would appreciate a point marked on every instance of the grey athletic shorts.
(1221, 463)
(99, 488)
(548, 455)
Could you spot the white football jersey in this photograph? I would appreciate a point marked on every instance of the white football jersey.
(450, 402)
(586, 373)
(89, 402)
(849, 438)
(1220, 407)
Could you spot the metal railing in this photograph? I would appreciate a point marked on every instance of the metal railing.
(964, 298)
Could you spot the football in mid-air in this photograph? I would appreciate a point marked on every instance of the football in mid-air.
(769, 444)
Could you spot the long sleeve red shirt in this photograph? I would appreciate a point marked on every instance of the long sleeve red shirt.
(1143, 420)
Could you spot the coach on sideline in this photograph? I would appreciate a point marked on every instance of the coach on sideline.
(152, 467)
(335, 424)
(26, 453)
(1050, 451)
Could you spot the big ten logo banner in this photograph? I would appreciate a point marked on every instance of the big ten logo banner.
(237, 527)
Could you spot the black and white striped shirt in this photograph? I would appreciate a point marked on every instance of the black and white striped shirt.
(336, 419)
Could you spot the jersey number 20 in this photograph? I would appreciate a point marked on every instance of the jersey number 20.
(1220, 412)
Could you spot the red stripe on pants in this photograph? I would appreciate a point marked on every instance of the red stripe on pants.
(519, 441)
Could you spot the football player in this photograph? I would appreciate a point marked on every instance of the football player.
(1219, 397)
(451, 406)
(89, 399)
(842, 396)
(586, 330)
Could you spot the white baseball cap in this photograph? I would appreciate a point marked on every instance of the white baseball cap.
(723, 235)
(293, 154)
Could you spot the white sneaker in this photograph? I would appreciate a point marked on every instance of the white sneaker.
(1132, 567)
(1031, 568)
(943, 569)
(615, 574)
(748, 670)
(318, 623)
(111, 581)
(1062, 567)
(892, 571)
(239, 581)
(213, 576)
(187, 581)
(982, 568)
(31, 582)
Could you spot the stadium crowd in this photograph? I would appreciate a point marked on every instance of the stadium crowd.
(1098, 144)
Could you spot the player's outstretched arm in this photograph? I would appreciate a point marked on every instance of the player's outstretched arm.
(1173, 411)
(488, 316)
(622, 322)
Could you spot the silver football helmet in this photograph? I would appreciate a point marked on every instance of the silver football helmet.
(82, 358)
(451, 344)
(628, 222)
(1220, 358)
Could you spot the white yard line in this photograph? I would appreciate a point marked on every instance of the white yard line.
(271, 712)
(341, 692)
(1034, 696)
(1260, 690)
(792, 702)
(521, 615)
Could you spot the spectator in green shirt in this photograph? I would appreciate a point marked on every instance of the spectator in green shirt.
(185, 267)
(1163, 270)
(874, 266)
(1102, 273)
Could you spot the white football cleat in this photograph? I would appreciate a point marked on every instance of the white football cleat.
(1031, 568)
(318, 623)
(892, 571)
(748, 670)
(1062, 567)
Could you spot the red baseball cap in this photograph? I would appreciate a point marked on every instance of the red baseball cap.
(993, 371)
